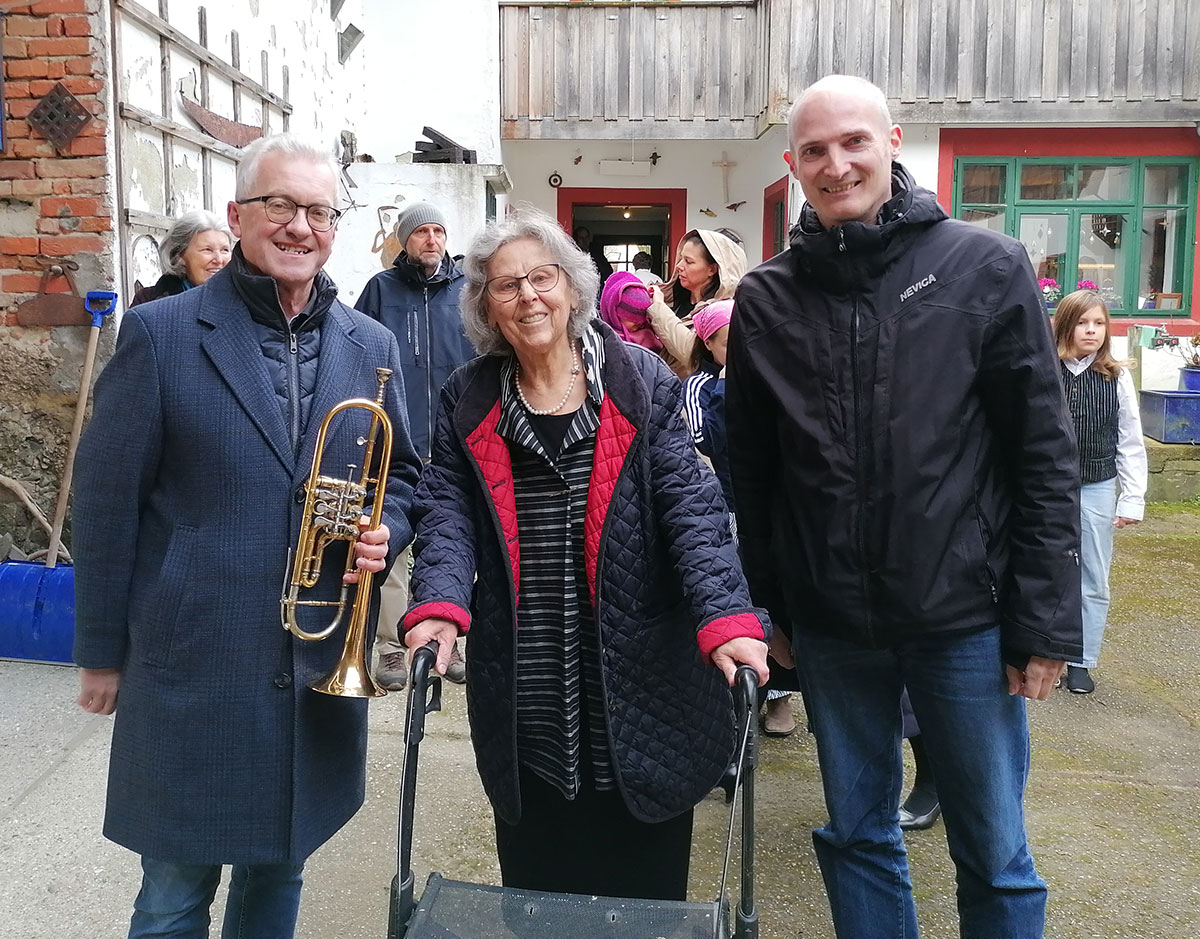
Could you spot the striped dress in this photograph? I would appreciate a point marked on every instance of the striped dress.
(561, 735)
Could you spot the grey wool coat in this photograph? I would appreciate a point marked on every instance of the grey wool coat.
(188, 496)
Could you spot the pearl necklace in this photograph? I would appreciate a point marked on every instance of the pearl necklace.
(543, 412)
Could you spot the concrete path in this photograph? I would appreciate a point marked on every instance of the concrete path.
(1113, 806)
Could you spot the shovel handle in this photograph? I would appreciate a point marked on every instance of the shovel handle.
(99, 303)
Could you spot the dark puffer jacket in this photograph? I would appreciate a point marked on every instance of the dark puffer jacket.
(665, 581)
(291, 348)
(423, 315)
(166, 286)
(902, 457)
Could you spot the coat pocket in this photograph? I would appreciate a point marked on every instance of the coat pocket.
(163, 604)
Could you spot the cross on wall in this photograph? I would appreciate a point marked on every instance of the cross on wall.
(725, 165)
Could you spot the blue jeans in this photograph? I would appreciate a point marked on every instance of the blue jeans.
(175, 899)
(1097, 511)
(978, 746)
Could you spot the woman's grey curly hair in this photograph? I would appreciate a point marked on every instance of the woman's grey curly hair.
(187, 227)
(524, 222)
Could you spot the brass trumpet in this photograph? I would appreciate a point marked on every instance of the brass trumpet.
(332, 510)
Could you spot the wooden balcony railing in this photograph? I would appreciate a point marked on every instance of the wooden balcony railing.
(631, 67)
(728, 68)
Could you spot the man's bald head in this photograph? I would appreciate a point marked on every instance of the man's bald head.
(841, 144)
(847, 85)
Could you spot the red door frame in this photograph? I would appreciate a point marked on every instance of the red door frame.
(674, 199)
(776, 192)
(1075, 142)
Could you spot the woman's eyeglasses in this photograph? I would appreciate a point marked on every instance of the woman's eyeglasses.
(506, 287)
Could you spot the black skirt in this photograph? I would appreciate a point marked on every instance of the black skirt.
(592, 845)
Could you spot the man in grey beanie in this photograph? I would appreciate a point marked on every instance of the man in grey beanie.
(417, 299)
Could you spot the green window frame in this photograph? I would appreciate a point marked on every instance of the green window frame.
(1093, 218)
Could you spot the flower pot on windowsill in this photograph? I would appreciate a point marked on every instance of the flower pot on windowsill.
(1189, 378)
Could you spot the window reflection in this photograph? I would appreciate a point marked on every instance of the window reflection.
(1164, 234)
(1165, 183)
(1046, 181)
(1102, 256)
(1105, 183)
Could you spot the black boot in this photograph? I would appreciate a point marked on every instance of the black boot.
(922, 808)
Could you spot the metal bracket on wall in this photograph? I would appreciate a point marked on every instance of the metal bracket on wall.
(59, 117)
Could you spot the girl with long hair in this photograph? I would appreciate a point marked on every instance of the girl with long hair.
(1108, 426)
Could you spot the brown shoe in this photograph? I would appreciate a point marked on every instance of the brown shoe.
(456, 671)
(392, 672)
(778, 720)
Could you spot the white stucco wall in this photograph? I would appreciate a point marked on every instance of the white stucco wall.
(687, 164)
(684, 164)
(460, 191)
(431, 64)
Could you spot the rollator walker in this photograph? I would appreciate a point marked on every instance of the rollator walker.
(451, 909)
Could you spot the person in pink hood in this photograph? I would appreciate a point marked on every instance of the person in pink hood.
(623, 305)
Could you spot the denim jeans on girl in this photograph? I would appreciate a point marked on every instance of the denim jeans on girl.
(1097, 512)
(978, 746)
(174, 901)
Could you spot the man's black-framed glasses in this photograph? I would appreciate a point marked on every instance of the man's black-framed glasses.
(281, 210)
(505, 287)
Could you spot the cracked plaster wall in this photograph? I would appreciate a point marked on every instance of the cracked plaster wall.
(40, 366)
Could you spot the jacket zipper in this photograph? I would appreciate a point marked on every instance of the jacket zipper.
(860, 469)
(428, 373)
(293, 373)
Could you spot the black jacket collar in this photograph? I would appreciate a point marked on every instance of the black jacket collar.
(844, 255)
(261, 296)
(414, 275)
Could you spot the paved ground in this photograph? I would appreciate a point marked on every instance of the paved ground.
(1114, 798)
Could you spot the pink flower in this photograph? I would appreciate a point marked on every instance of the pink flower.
(1087, 285)
(1047, 282)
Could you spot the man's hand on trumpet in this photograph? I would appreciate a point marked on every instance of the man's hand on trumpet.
(370, 550)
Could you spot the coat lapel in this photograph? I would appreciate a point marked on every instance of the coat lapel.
(234, 350)
(339, 368)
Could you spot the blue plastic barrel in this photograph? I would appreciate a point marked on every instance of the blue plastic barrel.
(37, 611)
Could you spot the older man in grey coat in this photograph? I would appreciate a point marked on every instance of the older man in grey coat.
(190, 491)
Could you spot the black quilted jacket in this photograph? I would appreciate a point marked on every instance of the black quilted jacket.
(665, 580)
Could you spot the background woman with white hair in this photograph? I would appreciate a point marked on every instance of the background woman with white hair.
(197, 246)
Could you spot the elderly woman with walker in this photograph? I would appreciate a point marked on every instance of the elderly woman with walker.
(565, 526)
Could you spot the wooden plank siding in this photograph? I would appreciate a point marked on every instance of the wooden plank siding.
(592, 69)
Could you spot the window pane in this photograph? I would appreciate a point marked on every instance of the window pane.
(1165, 184)
(1102, 256)
(1046, 181)
(984, 184)
(1045, 238)
(990, 217)
(1164, 233)
(1105, 183)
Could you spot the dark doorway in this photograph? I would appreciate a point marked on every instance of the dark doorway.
(622, 221)
(621, 231)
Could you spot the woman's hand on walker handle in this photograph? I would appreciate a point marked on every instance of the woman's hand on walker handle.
(742, 651)
(433, 629)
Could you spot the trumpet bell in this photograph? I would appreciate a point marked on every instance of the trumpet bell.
(350, 678)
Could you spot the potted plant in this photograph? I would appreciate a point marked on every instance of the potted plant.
(1051, 292)
(1189, 372)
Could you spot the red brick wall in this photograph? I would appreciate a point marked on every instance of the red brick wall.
(51, 203)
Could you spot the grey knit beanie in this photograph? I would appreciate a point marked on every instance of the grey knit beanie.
(414, 216)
